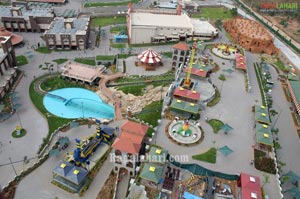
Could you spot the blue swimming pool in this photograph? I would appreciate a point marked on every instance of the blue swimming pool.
(77, 103)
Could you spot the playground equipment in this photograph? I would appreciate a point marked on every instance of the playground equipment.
(187, 82)
(85, 147)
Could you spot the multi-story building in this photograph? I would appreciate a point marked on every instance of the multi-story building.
(128, 146)
(180, 54)
(71, 33)
(163, 25)
(7, 65)
(21, 18)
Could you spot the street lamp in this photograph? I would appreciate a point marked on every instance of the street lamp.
(12, 166)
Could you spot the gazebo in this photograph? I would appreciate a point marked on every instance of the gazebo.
(149, 59)
(15, 39)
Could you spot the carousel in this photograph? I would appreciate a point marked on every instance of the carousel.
(149, 59)
(15, 39)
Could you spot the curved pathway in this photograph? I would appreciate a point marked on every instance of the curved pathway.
(109, 94)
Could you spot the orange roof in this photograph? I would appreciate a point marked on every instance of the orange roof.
(198, 72)
(181, 46)
(240, 62)
(134, 138)
(186, 93)
(15, 39)
(125, 145)
(134, 127)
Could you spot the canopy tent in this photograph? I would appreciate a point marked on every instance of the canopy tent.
(225, 150)
(229, 70)
(250, 186)
(149, 57)
(226, 128)
(240, 62)
(198, 70)
(157, 155)
(264, 134)
(184, 106)
(152, 172)
(294, 192)
(292, 176)
(262, 114)
(186, 93)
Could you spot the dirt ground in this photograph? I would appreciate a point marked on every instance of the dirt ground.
(107, 190)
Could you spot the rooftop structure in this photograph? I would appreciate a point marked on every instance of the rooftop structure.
(15, 39)
(262, 114)
(152, 172)
(240, 62)
(183, 106)
(294, 90)
(147, 26)
(70, 33)
(21, 18)
(264, 134)
(186, 94)
(158, 155)
(82, 72)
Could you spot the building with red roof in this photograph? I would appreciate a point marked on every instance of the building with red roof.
(15, 39)
(180, 54)
(250, 186)
(186, 95)
(127, 147)
(197, 72)
(240, 62)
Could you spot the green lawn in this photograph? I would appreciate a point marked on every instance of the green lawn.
(100, 4)
(216, 99)
(43, 50)
(124, 56)
(151, 113)
(56, 82)
(168, 54)
(21, 60)
(213, 13)
(209, 156)
(118, 29)
(281, 66)
(118, 45)
(105, 57)
(136, 90)
(22, 133)
(4, 3)
(90, 62)
(215, 124)
(105, 21)
(60, 61)
(54, 122)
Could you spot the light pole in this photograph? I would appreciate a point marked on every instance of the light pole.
(12, 166)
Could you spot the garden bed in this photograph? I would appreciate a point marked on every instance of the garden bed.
(209, 156)
(263, 163)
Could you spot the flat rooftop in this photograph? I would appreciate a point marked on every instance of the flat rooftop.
(203, 27)
(79, 26)
(160, 20)
(81, 71)
(37, 12)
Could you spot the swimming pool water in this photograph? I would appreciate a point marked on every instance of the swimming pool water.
(77, 103)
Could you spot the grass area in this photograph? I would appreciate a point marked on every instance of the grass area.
(209, 156)
(101, 4)
(168, 54)
(118, 29)
(281, 66)
(214, 13)
(259, 81)
(60, 61)
(22, 133)
(56, 82)
(135, 78)
(215, 125)
(216, 99)
(263, 163)
(151, 113)
(105, 21)
(4, 3)
(21, 60)
(222, 77)
(105, 57)
(90, 62)
(136, 90)
(118, 45)
(124, 56)
(54, 122)
(43, 50)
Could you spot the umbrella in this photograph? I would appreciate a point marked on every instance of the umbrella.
(229, 70)
(226, 128)
(225, 150)
(294, 192)
(292, 176)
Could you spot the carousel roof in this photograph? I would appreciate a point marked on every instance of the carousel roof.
(149, 56)
(15, 39)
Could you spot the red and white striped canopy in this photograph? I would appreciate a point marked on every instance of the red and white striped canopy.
(149, 57)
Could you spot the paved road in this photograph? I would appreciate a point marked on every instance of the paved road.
(122, 186)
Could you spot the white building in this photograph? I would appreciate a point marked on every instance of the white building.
(162, 26)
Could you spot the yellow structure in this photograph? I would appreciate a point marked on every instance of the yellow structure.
(187, 81)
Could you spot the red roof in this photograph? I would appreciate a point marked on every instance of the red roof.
(181, 46)
(186, 93)
(15, 39)
(134, 127)
(196, 71)
(125, 145)
(134, 138)
(250, 185)
(240, 62)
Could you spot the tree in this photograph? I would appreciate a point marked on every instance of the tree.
(234, 12)
(266, 179)
(219, 23)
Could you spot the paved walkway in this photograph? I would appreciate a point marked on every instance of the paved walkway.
(122, 186)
